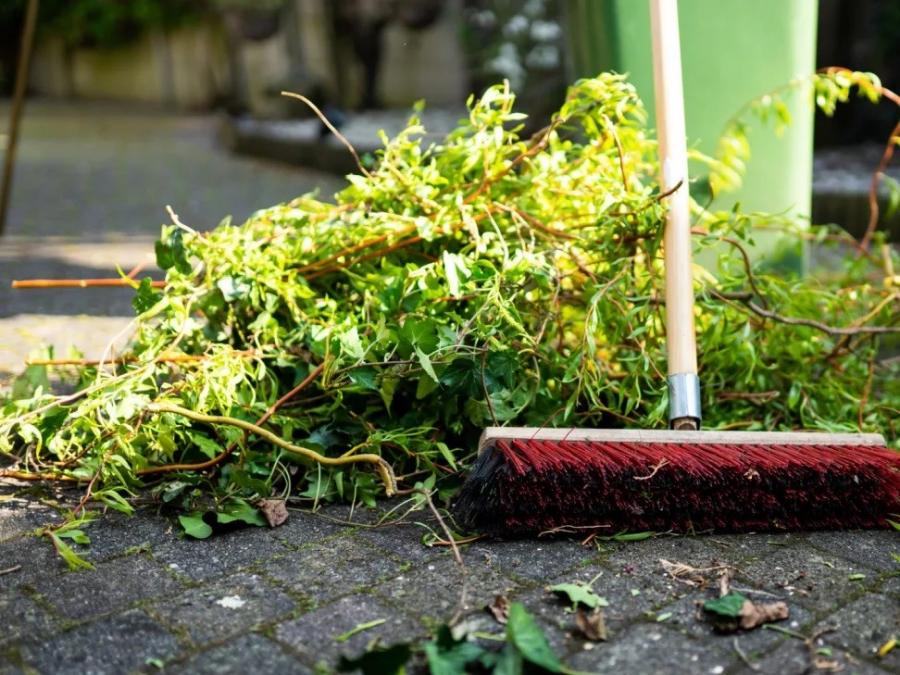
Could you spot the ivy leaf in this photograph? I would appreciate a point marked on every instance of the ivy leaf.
(170, 251)
(579, 594)
(727, 606)
(145, 297)
(365, 378)
(523, 632)
(351, 344)
(447, 656)
(233, 288)
(378, 661)
(239, 510)
(194, 526)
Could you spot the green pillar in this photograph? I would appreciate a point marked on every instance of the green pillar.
(732, 51)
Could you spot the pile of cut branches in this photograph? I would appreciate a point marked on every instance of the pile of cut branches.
(323, 348)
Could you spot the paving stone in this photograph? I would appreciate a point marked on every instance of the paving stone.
(433, 592)
(224, 608)
(303, 528)
(531, 559)
(864, 625)
(20, 515)
(200, 559)
(117, 644)
(246, 654)
(111, 586)
(686, 616)
(793, 658)
(651, 649)
(816, 579)
(737, 548)
(34, 557)
(871, 548)
(629, 594)
(405, 540)
(642, 557)
(890, 585)
(22, 617)
(334, 567)
(314, 635)
(114, 534)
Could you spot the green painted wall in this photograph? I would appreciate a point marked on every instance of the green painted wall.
(732, 52)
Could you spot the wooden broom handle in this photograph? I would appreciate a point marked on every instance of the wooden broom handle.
(680, 339)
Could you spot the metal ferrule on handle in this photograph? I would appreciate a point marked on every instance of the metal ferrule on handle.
(681, 345)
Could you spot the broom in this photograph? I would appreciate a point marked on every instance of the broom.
(527, 481)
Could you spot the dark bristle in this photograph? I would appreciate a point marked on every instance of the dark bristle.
(520, 487)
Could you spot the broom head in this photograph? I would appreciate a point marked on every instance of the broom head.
(527, 481)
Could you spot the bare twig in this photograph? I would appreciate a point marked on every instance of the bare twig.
(116, 282)
(663, 462)
(873, 189)
(743, 656)
(10, 570)
(324, 120)
(464, 590)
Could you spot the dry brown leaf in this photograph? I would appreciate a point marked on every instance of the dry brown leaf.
(593, 625)
(499, 609)
(753, 614)
(273, 510)
(692, 576)
(827, 665)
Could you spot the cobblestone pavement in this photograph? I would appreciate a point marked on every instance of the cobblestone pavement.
(88, 194)
(276, 601)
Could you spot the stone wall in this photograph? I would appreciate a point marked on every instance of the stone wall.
(198, 65)
(185, 69)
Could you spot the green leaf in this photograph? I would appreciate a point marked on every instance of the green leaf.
(665, 616)
(509, 662)
(728, 605)
(78, 536)
(170, 251)
(425, 362)
(856, 577)
(72, 559)
(523, 632)
(365, 378)
(351, 344)
(447, 656)
(205, 444)
(893, 523)
(239, 510)
(579, 594)
(145, 297)
(194, 526)
(633, 536)
(378, 661)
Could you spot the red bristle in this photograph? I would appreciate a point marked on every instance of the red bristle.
(526, 486)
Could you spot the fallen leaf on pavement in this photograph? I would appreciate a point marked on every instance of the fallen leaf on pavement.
(733, 611)
(753, 614)
(273, 510)
(593, 625)
(692, 576)
(579, 594)
(499, 609)
(886, 648)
